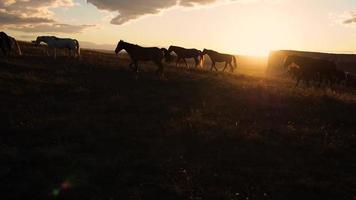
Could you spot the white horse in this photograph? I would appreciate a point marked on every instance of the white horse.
(60, 43)
(15, 45)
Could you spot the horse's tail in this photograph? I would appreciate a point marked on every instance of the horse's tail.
(78, 47)
(17, 46)
(235, 61)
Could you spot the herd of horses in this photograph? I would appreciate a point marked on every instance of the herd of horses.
(320, 72)
(158, 55)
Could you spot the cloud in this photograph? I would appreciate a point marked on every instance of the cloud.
(51, 28)
(351, 19)
(35, 16)
(11, 19)
(133, 9)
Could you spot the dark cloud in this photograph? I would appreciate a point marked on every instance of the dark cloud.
(35, 16)
(51, 28)
(352, 19)
(12, 19)
(133, 9)
(32, 8)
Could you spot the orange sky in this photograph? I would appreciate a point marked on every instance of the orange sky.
(251, 27)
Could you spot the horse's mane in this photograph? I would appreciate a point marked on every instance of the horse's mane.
(172, 46)
(130, 44)
(211, 50)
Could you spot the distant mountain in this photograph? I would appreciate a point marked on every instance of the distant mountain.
(92, 45)
(276, 59)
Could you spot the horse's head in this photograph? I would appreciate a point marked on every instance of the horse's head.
(38, 40)
(205, 51)
(170, 49)
(288, 61)
(120, 46)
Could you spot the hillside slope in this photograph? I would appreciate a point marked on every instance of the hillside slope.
(89, 130)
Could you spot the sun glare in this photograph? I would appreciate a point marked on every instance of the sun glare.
(258, 34)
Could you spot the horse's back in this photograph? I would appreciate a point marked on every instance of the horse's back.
(219, 57)
(187, 53)
(146, 53)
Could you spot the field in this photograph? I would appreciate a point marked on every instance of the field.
(87, 129)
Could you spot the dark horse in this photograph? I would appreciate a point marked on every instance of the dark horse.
(138, 53)
(5, 43)
(311, 69)
(183, 53)
(219, 57)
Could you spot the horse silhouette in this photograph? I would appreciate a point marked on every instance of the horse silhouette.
(59, 43)
(339, 77)
(5, 43)
(219, 57)
(138, 53)
(311, 69)
(183, 54)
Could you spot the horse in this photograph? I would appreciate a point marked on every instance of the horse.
(219, 57)
(183, 54)
(5, 43)
(59, 43)
(138, 53)
(340, 77)
(311, 69)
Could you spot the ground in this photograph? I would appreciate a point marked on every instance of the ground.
(87, 129)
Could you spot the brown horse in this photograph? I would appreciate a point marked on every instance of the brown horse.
(183, 54)
(311, 69)
(219, 57)
(138, 53)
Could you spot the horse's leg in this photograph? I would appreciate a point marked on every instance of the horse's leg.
(231, 67)
(216, 69)
(159, 71)
(212, 65)
(178, 59)
(130, 65)
(196, 62)
(185, 62)
(136, 69)
(225, 67)
(298, 80)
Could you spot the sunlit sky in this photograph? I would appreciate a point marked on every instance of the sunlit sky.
(251, 27)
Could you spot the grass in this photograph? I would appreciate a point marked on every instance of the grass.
(88, 130)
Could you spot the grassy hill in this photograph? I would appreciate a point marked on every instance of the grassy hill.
(87, 129)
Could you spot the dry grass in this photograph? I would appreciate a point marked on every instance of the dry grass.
(88, 130)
